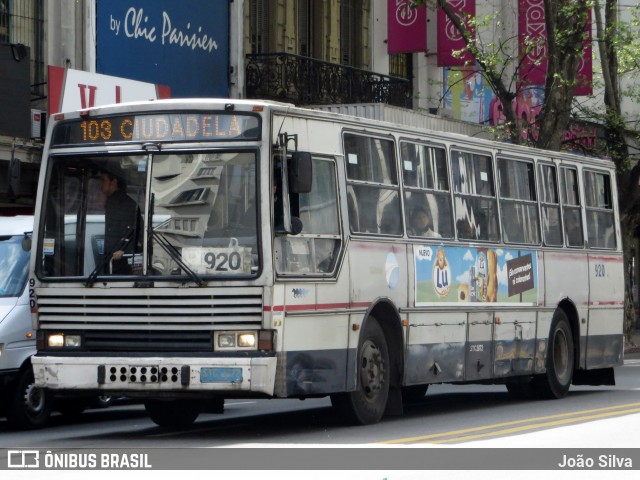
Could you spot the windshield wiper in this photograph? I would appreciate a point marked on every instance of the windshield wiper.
(124, 241)
(175, 255)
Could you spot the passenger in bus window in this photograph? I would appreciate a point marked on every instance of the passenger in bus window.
(122, 222)
(465, 230)
(421, 225)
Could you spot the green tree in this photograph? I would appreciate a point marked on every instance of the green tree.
(565, 25)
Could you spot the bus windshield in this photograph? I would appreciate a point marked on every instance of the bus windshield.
(14, 266)
(202, 208)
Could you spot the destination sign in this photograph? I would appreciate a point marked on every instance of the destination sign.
(159, 127)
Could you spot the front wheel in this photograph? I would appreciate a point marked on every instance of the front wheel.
(30, 406)
(366, 405)
(173, 414)
(560, 359)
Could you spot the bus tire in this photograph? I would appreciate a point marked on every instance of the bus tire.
(556, 381)
(173, 414)
(30, 406)
(367, 403)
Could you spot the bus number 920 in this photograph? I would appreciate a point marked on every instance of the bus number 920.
(223, 261)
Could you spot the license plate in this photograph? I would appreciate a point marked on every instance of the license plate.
(221, 375)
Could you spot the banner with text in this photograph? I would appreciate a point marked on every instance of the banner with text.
(184, 45)
(449, 37)
(480, 275)
(407, 27)
(585, 67)
(532, 42)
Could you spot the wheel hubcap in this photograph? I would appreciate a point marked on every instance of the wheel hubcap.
(561, 355)
(372, 370)
(34, 399)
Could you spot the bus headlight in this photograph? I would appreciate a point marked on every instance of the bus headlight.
(247, 340)
(226, 340)
(59, 340)
(236, 341)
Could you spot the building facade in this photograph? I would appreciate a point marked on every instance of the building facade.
(331, 53)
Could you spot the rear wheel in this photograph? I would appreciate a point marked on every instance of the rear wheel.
(173, 413)
(556, 381)
(30, 406)
(367, 403)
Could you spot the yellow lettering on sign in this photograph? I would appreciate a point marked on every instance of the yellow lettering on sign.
(177, 131)
(192, 126)
(162, 128)
(234, 126)
(219, 133)
(206, 126)
(126, 129)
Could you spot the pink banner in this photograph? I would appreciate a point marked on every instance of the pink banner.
(532, 31)
(585, 67)
(407, 27)
(449, 38)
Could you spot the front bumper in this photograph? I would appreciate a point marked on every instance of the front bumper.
(156, 374)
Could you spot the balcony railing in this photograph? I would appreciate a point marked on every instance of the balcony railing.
(306, 81)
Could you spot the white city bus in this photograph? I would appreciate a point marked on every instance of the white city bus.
(282, 260)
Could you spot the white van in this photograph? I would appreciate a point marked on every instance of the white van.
(24, 405)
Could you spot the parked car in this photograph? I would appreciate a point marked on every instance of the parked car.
(24, 405)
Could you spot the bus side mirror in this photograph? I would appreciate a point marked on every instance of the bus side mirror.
(300, 173)
(26, 242)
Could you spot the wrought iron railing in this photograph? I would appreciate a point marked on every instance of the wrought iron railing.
(306, 81)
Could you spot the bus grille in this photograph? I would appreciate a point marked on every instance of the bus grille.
(162, 319)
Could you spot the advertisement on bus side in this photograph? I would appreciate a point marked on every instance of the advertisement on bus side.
(475, 275)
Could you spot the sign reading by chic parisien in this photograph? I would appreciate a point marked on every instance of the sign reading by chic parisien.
(184, 45)
(136, 24)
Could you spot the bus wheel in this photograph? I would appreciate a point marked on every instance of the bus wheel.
(173, 413)
(560, 357)
(30, 406)
(367, 403)
(414, 393)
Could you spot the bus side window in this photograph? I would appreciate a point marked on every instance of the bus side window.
(372, 185)
(316, 249)
(518, 204)
(571, 209)
(476, 208)
(550, 203)
(599, 208)
(426, 184)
